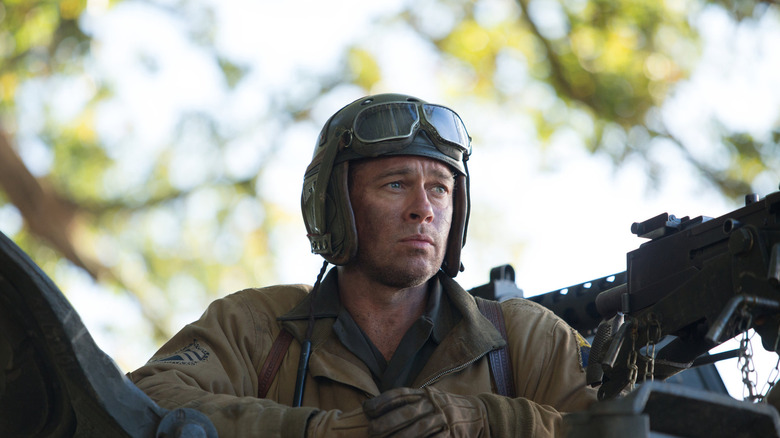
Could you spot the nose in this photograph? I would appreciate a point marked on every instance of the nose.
(419, 208)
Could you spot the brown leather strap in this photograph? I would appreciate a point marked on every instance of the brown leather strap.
(272, 362)
(500, 363)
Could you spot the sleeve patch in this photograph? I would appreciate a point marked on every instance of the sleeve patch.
(584, 349)
(189, 355)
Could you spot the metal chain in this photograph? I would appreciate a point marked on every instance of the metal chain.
(632, 356)
(653, 336)
(771, 379)
(745, 361)
(650, 368)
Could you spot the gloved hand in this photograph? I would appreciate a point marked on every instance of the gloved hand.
(339, 424)
(426, 412)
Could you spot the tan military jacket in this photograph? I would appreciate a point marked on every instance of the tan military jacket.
(212, 365)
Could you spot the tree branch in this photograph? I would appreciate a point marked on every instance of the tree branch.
(55, 220)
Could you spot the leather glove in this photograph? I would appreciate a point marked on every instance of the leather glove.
(336, 423)
(424, 413)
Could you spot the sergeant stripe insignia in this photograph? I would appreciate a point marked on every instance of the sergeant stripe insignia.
(189, 355)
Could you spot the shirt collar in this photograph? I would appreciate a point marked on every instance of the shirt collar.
(440, 312)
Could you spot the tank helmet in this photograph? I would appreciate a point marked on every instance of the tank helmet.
(374, 126)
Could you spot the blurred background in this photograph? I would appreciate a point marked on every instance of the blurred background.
(152, 152)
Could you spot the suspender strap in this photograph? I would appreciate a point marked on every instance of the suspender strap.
(500, 363)
(272, 362)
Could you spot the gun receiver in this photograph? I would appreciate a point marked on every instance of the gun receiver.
(702, 281)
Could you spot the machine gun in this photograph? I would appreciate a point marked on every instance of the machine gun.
(702, 281)
(698, 282)
(694, 285)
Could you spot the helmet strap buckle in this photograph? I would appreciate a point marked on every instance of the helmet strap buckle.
(320, 243)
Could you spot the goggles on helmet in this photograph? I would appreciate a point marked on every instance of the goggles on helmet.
(392, 126)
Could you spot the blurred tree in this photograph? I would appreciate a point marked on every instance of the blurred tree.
(177, 217)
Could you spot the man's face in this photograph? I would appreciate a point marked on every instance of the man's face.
(403, 210)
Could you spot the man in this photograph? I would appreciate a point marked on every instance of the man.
(387, 344)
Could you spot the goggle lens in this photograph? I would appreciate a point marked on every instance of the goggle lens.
(386, 122)
(448, 125)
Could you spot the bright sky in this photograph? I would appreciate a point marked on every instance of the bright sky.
(561, 226)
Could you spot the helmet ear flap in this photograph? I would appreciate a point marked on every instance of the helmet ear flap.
(327, 210)
(340, 218)
(457, 236)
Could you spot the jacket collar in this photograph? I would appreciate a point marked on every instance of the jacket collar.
(473, 337)
(326, 301)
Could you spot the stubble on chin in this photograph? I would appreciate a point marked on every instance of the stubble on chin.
(396, 273)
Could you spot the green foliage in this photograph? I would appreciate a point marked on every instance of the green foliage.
(608, 66)
(31, 32)
(365, 70)
(76, 152)
(233, 72)
(617, 59)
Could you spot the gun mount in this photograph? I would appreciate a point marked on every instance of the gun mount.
(660, 410)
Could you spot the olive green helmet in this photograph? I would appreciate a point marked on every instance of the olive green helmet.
(373, 126)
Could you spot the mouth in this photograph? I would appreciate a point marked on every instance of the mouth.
(418, 240)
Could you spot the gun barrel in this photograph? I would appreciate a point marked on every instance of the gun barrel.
(577, 304)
